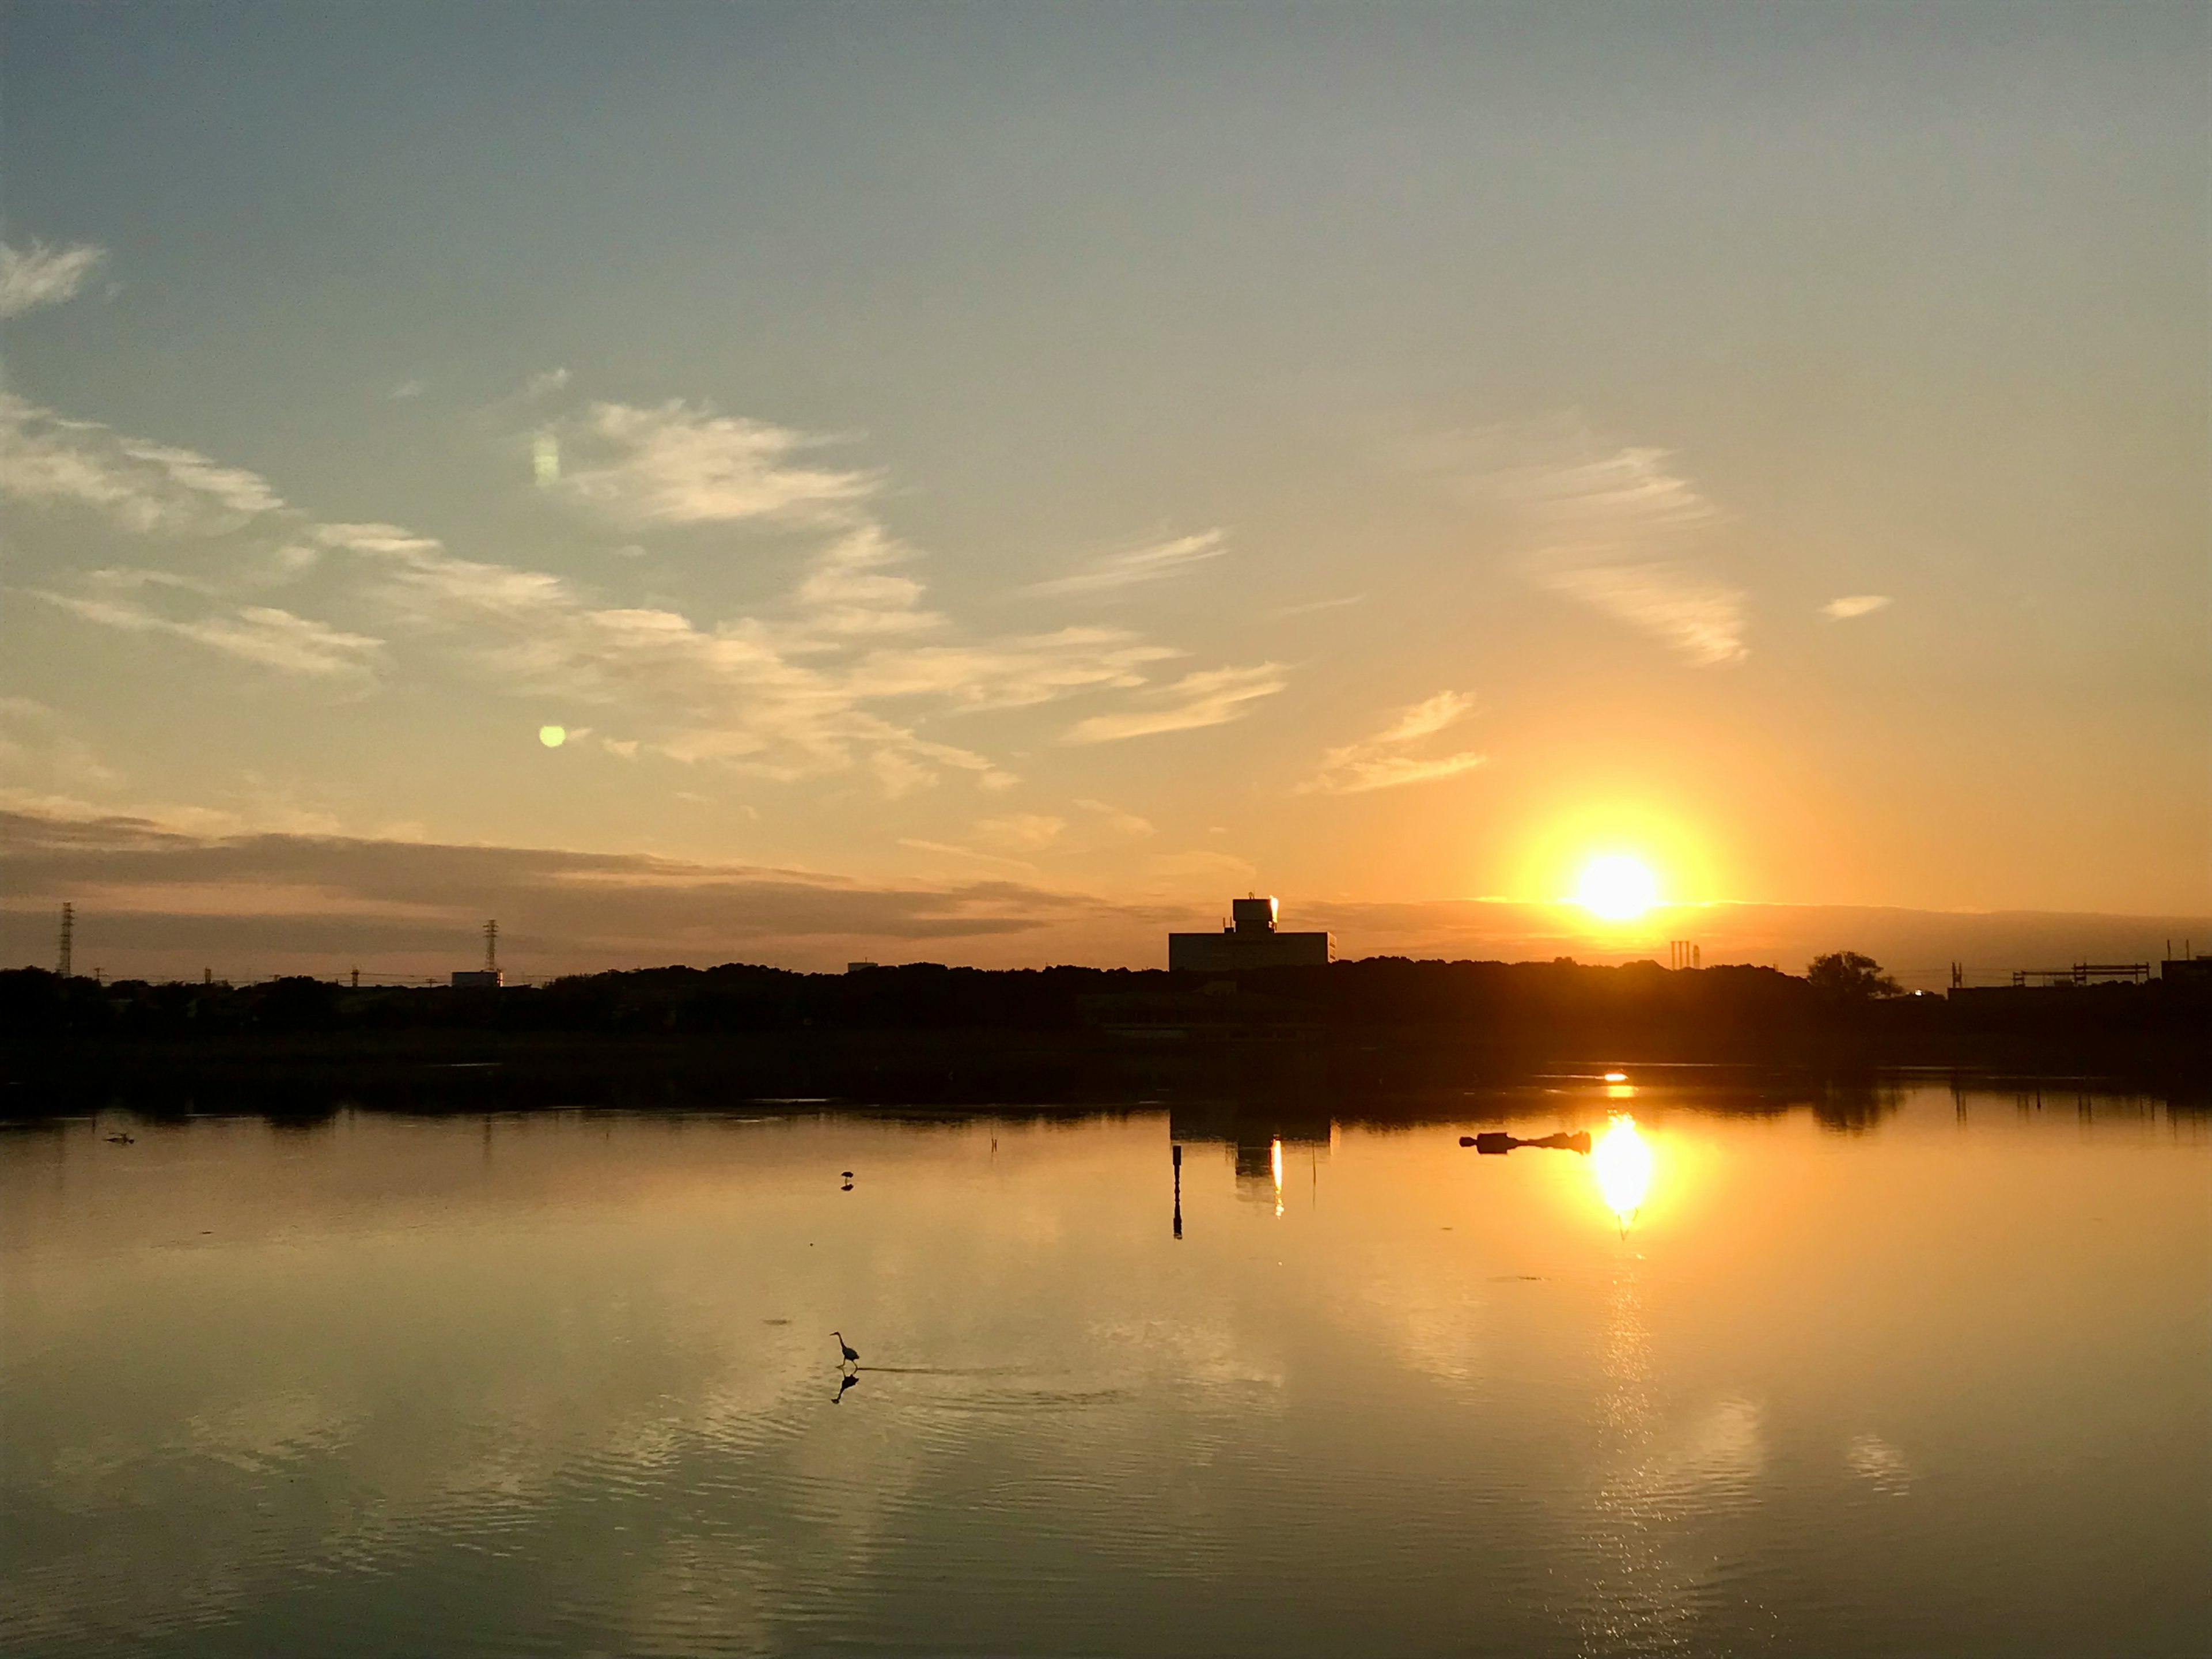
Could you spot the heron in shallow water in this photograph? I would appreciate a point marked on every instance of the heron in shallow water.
(851, 1359)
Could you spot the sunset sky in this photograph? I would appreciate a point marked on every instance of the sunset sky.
(990, 484)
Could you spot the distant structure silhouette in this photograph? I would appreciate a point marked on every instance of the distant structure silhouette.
(1250, 940)
(66, 966)
(2083, 973)
(487, 978)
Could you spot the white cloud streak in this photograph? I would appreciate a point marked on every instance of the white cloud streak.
(1121, 822)
(48, 461)
(1381, 762)
(38, 275)
(259, 634)
(1020, 832)
(1700, 618)
(1212, 696)
(840, 678)
(1855, 605)
(1617, 529)
(677, 464)
(1150, 564)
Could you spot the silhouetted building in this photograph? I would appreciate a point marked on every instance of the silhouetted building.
(1250, 940)
(478, 979)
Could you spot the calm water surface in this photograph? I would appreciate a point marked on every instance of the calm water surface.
(1935, 1379)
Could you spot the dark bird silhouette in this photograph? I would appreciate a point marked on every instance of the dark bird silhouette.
(851, 1359)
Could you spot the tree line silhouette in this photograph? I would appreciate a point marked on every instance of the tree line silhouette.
(1636, 1010)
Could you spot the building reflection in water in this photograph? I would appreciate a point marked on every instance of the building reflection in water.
(1262, 1143)
(1621, 1162)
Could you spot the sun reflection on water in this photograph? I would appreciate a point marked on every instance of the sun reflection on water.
(1621, 1161)
(1275, 1164)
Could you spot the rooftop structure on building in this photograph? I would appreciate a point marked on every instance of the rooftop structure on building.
(1250, 940)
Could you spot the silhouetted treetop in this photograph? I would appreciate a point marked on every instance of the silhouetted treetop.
(1847, 976)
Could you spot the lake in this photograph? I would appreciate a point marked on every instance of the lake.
(1906, 1370)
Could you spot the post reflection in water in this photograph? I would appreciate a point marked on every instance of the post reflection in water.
(1178, 1191)
(1621, 1161)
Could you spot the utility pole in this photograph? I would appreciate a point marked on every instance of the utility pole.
(67, 966)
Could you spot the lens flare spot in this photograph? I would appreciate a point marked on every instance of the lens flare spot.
(1617, 887)
(552, 736)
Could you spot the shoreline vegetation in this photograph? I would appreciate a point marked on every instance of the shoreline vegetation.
(1376, 1029)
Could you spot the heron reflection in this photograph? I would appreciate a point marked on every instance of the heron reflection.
(1621, 1161)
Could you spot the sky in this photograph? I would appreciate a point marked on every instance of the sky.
(994, 483)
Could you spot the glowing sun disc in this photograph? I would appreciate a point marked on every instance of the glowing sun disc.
(1617, 888)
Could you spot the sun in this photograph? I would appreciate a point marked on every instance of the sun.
(1616, 887)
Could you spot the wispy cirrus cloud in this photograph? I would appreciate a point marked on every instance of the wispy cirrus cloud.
(1384, 761)
(47, 460)
(841, 672)
(1854, 604)
(262, 634)
(41, 276)
(1154, 561)
(682, 464)
(1020, 832)
(1284, 612)
(785, 699)
(1121, 822)
(1616, 528)
(1212, 696)
(1700, 617)
(849, 588)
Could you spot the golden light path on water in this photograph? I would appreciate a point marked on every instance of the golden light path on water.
(1275, 1162)
(1621, 1162)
